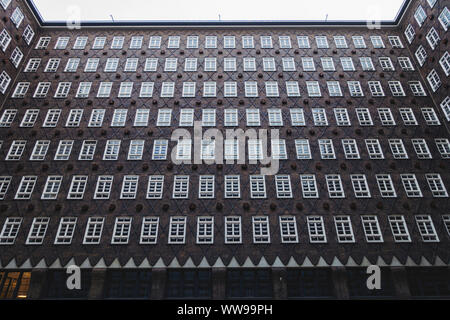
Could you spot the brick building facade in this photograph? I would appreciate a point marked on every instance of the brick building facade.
(88, 177)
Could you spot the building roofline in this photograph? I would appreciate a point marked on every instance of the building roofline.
(218, 24)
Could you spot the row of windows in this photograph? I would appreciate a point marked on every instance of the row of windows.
(212, 42)
(232, 186)
(231, 117)
(232, 229)
(229, 149)
(228, 64)
(227, 89)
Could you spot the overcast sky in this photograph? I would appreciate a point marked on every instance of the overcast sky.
(228, 9)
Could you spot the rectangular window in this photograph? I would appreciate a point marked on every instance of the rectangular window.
(233, 230)
(99, 43)
(430, 116)
(316, 229)
(205, 230)
(26, 188)
(33, 65)
(303, 42)
(303, 149)
(279, 150)
(155, 187)
(136, 150)
(374, 149)
(16, 150)
(141, 118)
(372, 229)
(334, 184)
(28, 34)
(326, 149)
(64, 150)
(444, 18)
(434, 80)
(188, 89)
(104, 90)
(261, 233)
(411, 185)
(94, 228)
(360, 186)
(297, 117)
(129, 187)
(37, 231)
(103, 187)
(436, 185)
(29, 118)
(7, 118)
(63, 89)
(275, 117)
(344, 229)
(408, 117)
(342, 117)
(122, 230)
(355, 88)
(231, 117)
(10, 231)
(40, 150)
(421, 148)
(160, 148)
(420, 15)
(180, 187)
(87, 151)
(309, 186)
(399, 228)
(177, 230)
(5, 181)
(84, 89)
(288, 229)
(386, 117)
(313, 89)
(149, 230)
(232, 186)
(66, 230)
(112, 149)
(192, 42)
(444, 61)
(257, 187)
(206, 187)
(229, 42)
(398, 149)
(5, 80)
(426, 228)
(253, 117)
(77, 187)
(433, 38)
(248, 42)
(184, 149)
(151, 64)
(386, 186)
(350, 149)
(283, 186)
(251, 89)
(443, 146)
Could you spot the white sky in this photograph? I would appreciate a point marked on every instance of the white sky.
(61, 10)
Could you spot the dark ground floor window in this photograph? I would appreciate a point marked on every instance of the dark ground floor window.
(128, 284)
(14, 285)
(357, 284)
(249, 283)
(188, 284)
(309, 283)
(429, 282)
(56, 287)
